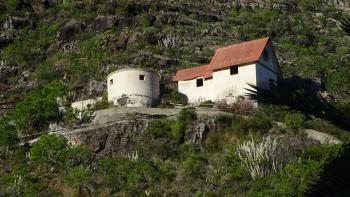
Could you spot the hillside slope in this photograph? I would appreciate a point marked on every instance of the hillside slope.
(65, 49)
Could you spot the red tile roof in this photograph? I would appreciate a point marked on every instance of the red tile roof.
(235, 54)
(194, 72)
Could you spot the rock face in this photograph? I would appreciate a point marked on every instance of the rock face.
(14, 22)
(4, 40)
(102, 23)
(124, 136)
(70, 29)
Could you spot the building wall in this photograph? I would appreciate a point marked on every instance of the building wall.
(128, 90)
(81, 105)
(221, 86)
(197, 94)
(228, 86)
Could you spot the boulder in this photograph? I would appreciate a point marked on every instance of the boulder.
(7, 71)
(102, 23)
(134, 38)
(14, 22)
(96, 88)
(198, 133)
(4, 40)
(70, 29)
(122, 42)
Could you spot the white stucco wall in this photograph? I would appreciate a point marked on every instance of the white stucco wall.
(136, 92)
(80, 105)
(228, 86)
(197, 94)
(221, 86)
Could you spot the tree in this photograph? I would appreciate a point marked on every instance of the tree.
(38, 109)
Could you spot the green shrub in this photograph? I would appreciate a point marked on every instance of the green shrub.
(173, 96)
(78, 177)
(293, 180)
(79, 155)
(49, 150)
(114, 171)
(187, 115)
(12, 5)
(160, 129)
(103, 104)
(294, 121)
(194, 166)
(38, 109)
(8, 134)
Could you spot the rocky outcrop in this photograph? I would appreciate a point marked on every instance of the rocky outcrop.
(116, 138)
(124, 136)
(14, 22)
(4, 40)
(70, 29)
(102, 23)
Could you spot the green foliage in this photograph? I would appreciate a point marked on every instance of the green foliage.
(8, 134)
(145, 19)
(103, 104)
(78, 176)
(49, 150)
(79, 155)
(12, 5)
(74, 117)
(311, 5)
(293, 180)
(294, 121)
(173, 96)
(194, 166)
(38, 109)
(20, 182)
(121, 174)
(114, 172)
(187, 115)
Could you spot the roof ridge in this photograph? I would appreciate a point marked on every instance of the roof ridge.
(242, 43)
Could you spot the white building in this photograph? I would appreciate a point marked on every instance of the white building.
(133, 87)
(230, 71)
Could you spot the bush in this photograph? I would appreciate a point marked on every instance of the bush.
(113, 172)
(187, 115)
(8, 134)
(79, 155)
(294, 121)
(38, 109)
(49, 150)
(194, 166)
(78, 177)
(293, 180)
(103, 104)
(173, 97)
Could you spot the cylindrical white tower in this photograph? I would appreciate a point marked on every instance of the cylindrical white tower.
(133, 87)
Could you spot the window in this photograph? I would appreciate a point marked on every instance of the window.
(199, 82)
(142, 77)
(111, 82)
(233, 70)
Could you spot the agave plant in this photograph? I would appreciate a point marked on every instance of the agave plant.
(345, 25)
(296, 94)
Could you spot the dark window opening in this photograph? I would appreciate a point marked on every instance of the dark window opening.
(111, 82)
(142, 77)
(199, 82)
(234, 70)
